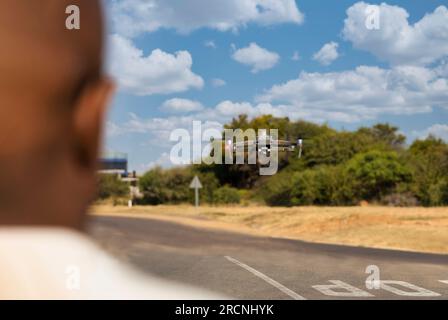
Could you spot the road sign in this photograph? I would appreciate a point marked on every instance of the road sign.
(196, 185)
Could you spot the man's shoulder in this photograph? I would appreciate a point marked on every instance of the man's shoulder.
(65, 264)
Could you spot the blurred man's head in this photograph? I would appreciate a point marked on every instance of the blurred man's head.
(52, 103)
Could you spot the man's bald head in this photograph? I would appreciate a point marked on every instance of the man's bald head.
(42, 64)
(35, 38)
(50, 92)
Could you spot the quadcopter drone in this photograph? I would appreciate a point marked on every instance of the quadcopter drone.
(264, 145)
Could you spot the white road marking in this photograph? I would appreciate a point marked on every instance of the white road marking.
(416, 291)
(349, 290)
(264, 277)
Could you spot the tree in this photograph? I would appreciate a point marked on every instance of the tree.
(384, 133)
(238, 123)
(247, 176)
(335, 148)
(429, 163)
(376, 173)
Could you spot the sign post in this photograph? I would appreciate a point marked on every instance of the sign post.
(300, 145)
(196, 185)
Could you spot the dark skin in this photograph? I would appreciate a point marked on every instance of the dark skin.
(53, 100)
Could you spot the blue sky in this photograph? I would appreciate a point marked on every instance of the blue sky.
(167, 56)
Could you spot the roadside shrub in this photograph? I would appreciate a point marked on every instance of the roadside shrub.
(276, 190)
(110, 186)
(226, 195)
(323, 185)
(165, 186)
(439, 193)
(376, 173)
(305, 188)
(428, 160)
(171, 186)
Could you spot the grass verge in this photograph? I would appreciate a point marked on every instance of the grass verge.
(411, 229)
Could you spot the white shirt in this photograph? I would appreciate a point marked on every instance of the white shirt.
(53, 263)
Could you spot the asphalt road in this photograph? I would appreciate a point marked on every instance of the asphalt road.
(247, 267)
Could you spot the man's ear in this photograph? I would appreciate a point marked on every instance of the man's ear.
(90, 113)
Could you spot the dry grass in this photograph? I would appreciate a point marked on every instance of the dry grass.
(413, 229)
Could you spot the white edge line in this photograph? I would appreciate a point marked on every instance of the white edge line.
(264, 277)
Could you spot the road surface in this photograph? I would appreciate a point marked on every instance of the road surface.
(248, 267)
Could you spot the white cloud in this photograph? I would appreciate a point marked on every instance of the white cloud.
(256, 57)
(157, 130)
(363, 93)
(228, 108)
(156, 73)
(397, 41)
(160, 128)
(327, 54)
(436, 130)
(218, 82)
(210, 44)
(163, 161)
(133, 17)
(177, 105)
(295, 56)
(112, 129)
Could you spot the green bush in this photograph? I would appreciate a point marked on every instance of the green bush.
(376, 173)
(429, 163)
(110, 186)
(438, 193)
(165, 186)
(172, 186)
(276, 190)
(305, 188)
(323, 185)
(226, 195)
(368, 176)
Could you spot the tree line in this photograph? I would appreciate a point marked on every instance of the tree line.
(337, 167)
